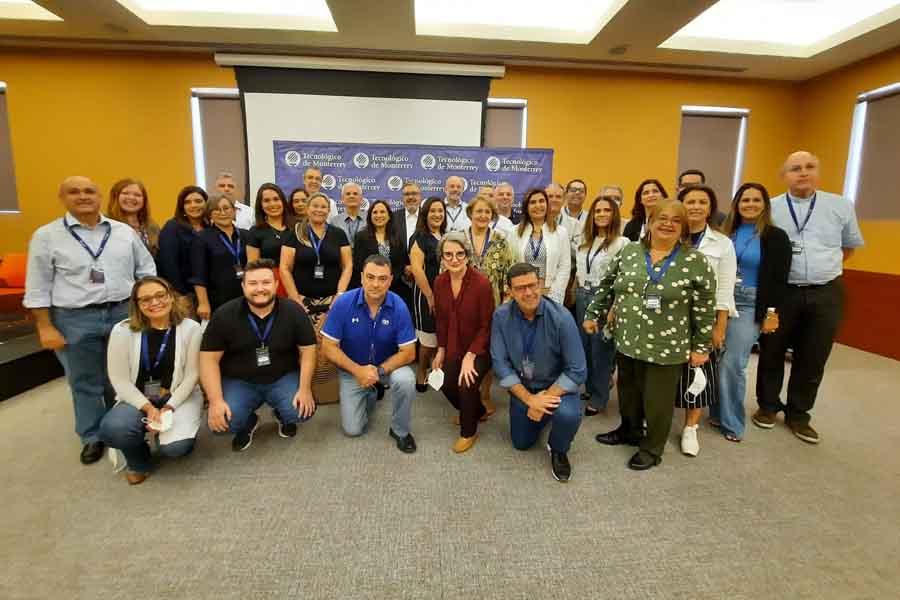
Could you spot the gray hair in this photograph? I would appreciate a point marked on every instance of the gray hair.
(214, 200)
(350, 184)
(225, 175)
(553, 184)
(504, 184)
(457, 237)
(311, 168)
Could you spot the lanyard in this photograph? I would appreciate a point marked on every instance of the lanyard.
(145, 351)
(535, 252)
(740, 255)
(574, 217)
(372, 339)
(453, 217)
(316, 242)
(588, 259)
(263, 338)
(235, 250)
(352, 228)
(812, 206)
(94, 255)
(657, 277)
(528, 334)
(487, 241)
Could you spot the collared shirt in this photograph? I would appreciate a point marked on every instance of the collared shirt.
(457, 219)
(364, 340)
(411, 221)
(505, 225)
(831, 227)
(349, 225)
(557, 353)
(574, 223)
(59, 267)
(599, 260)
(243, 216)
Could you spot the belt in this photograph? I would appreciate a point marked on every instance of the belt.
(813, 285)
(102, 305)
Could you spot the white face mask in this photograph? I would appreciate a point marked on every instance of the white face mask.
(436, 379)
(164, 424)
(699, 382)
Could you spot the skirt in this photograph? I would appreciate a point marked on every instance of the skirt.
(710, 394)
(423, 320)
(325, 380)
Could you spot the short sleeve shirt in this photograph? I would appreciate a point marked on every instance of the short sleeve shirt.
(229, 331)
(364, 340)
(268, 241)
(305, 262)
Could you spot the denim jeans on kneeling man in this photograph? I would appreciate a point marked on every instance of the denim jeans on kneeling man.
(358, 402)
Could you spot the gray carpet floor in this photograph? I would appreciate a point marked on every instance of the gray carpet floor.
(324, 516)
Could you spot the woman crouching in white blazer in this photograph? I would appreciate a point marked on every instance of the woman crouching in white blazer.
(152, 362)
(543, 244)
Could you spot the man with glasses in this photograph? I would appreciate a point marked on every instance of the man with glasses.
(81, 269)
(369, 336)
(407, 217)
(574, 211)
(537, 355)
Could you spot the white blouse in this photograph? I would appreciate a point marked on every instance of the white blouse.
(599, 260)
(559, 257)
(719, 251)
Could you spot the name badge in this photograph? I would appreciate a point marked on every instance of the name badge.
(262, 357)
(97, 276)
(238, 272)
(319, 272)
(153, 391)
(652, 301)
(796, 247)
(739, 279)
(527, 369)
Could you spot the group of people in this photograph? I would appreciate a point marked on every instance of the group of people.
(264, 305)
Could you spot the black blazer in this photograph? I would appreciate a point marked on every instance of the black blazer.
(633, 230)
(365, 246)
(173, 261)
(398, 218)
(774, 266)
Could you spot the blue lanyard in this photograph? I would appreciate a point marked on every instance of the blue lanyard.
(234, 250)
(588, 259)
(657, 277)
(372, 339)
(453, 218)
(264, 337)
(145, 351)
(812, 206)
(487, 241)
(95, 256)
(352, 228)
(740, 255)
(316, 242)
(535, 252)
(528, 334)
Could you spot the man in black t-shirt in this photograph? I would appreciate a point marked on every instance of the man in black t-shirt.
(250, 355)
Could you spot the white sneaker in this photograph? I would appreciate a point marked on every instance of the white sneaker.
(690, 445)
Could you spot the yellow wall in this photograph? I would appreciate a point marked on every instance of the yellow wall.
(826, 115)
(104, 115)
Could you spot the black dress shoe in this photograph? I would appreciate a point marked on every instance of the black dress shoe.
(421, 387)
(616, 437)
(590, 411)
(92, 452)
(405, 444)
(559, 465)
(643, 460)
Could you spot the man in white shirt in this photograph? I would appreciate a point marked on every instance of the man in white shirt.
(574, 212)
(457, 220)
(504, 194)
(408, 216)
(243, 214)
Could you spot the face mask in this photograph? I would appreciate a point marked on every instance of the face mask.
(164, 424)
(436, 379)
(698, 384)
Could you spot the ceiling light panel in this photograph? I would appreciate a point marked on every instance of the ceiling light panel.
(797, 28)
(559, 21)
(303, 15)
(25, 10)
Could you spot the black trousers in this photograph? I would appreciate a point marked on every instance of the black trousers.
(466, 399)
(807, 324)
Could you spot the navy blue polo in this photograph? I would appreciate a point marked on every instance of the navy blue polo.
(364, 340)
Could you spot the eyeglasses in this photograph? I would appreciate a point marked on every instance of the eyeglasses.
(576, 190)
(150, 300)
(527, 287)
(454, 255)
(222, 209)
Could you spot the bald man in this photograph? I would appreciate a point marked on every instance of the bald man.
(457, 219)
(81, 269)
(823, 231)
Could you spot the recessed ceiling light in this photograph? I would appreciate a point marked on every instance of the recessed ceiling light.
(798, 28)
(304, 15)
(25, 10)
(561, 21)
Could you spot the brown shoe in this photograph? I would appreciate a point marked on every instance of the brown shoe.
(763, 419)
(805, 433)
(135, 478)
(463, 444)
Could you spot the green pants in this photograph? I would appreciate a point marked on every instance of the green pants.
(647, 391)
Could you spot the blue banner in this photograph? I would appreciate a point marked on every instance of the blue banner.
(381, 170)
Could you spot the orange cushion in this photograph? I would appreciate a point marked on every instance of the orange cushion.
(12, 270)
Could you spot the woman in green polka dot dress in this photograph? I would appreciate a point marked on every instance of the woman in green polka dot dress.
(663, 297)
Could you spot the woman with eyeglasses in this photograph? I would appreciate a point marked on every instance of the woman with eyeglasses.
(647, 195)
(463, 306)
(763, 254)
(128, 203)
(218, 256)
(173, 262)
(152, 362)
(597, 244)
(542, 244)
(380, 236)
(424, 262)
(665, 293)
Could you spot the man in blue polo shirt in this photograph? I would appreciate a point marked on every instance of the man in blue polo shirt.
(369, 336)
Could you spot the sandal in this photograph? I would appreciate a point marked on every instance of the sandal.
(714, 423)
(731, 438)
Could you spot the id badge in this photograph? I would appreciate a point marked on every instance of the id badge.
(796, 247)
(739, 279)
(97, 275)
(319, 272)
(152, 390)
(238, 272)
(527, 369)
(652, 302)
(262, 357)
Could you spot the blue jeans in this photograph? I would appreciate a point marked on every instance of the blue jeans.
(358, 402)
(566, 419)
(741, 334)
(600, 353)
(86, 331)
(244, 398)
(122, 429)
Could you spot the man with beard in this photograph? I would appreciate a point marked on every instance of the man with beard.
(250, 356)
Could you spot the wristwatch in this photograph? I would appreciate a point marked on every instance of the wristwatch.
(381, 372)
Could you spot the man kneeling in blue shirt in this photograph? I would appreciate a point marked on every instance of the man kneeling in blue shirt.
(369, 336)
(537, 355)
